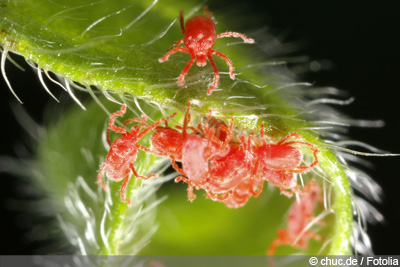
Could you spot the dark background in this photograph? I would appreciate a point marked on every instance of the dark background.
(359, 39)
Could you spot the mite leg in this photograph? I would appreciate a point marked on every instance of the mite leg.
(154, 125)
(148, 150)
(141, 176)
(186, 122)
(301, 169)
(172, 51)
(176, 167)
(181, 21)
(216, 76)
(191, 195)
(143, 122)
(111, 125)
(176, 44)
(295, 135)
(228, 62)
(259, 190)
(314, 236)
(123, 187)
(205, 11)
(304, 169)
(219, 197)
(282, 239)
(194, 130)
(100, 177)
(236, 35)
(181, 79)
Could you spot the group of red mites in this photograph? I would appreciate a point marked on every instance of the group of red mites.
(230, 168)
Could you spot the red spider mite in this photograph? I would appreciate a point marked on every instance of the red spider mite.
(300, 215)
(123, 151)
(172, 143)
(194, 150)
(199, 38)
(280, 161)
(168, 142)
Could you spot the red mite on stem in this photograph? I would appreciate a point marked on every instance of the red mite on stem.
(300, 215)
(199, 38)
(123, 151)
(278, 162)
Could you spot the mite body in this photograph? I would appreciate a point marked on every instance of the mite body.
(199, 38)
(123, 151)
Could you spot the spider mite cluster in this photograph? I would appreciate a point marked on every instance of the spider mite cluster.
(300, 218)
(199, 38)
(229, 167)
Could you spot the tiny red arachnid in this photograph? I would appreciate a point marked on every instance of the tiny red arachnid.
(280, 161)
(123, 151)
(168, 142)
(199, 38)
(193, 150)
(300, 216)
(180, 146)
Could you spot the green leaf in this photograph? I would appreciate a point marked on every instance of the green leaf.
(115, 46)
